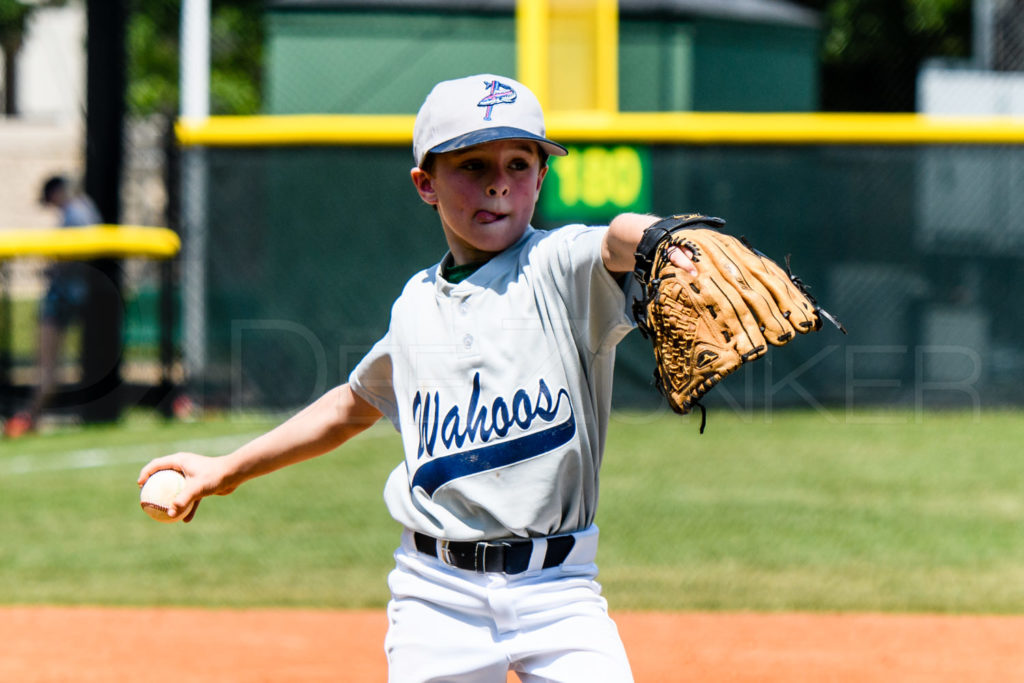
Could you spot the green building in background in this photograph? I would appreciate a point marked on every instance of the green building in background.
(366, 57)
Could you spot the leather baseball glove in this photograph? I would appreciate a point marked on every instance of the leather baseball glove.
(706, 327)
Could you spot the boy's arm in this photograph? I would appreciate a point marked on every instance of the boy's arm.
(618, 250)
(321, 427)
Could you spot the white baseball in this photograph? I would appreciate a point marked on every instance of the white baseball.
(159, 491)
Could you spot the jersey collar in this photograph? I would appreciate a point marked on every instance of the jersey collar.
(486, 272)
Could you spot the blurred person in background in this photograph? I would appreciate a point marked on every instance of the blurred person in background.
(62, 305)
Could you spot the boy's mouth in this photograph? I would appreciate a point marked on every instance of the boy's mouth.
(483, 216)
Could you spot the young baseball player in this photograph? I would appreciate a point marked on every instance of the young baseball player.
(62, 305)
(497, 371)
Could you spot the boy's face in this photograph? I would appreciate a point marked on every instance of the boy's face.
(57, 197)
(485, 195)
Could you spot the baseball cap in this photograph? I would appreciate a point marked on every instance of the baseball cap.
(476, 109)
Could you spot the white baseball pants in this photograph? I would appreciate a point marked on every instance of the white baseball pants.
(458, 626)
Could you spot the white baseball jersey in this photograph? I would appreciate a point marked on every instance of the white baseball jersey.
(501, 389)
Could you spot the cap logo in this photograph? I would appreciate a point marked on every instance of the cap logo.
(499, 94)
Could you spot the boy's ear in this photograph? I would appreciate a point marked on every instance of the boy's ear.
(424, 185)
(540, 178)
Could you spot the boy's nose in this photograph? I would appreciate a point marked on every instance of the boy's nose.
(499, 186)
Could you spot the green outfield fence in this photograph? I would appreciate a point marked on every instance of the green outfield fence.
(909, 229)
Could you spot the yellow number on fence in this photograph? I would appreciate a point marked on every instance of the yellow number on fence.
(628, 176)
(596, 180)
(599, 176)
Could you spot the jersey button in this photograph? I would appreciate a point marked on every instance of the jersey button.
(467, 341)
(463, 308)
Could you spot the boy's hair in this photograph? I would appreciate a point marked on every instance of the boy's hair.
(52, 185)
(430, 158)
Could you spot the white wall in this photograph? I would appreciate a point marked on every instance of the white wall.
(968, 193)
(51, 64)
(969, 91)
(46, 138)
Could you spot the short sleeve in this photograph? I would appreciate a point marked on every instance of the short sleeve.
(373, 379)
(594, 298)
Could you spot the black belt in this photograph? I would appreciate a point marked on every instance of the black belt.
(510, 557)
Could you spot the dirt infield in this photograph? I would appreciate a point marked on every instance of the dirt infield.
(204, 646)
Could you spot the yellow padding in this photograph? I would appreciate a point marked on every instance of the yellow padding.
(626, 127)
(299, 129)
(94, 241)
(787, 128)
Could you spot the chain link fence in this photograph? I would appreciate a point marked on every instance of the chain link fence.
(921, 259)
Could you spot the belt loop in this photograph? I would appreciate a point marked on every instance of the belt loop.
(540, 551)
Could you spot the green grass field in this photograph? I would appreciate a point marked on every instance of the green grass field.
(874, 511)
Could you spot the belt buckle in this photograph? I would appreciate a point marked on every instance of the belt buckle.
(445, 553)
(494, 551)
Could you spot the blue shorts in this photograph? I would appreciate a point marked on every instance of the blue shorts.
(64, 300)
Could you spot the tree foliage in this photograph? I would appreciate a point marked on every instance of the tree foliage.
(872, 50)
(14, 16)
(236, 44)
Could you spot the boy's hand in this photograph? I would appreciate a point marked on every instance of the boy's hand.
(682, 258)
(204, 476)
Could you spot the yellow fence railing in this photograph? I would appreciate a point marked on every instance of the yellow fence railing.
(639, 127)
(94, 241)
